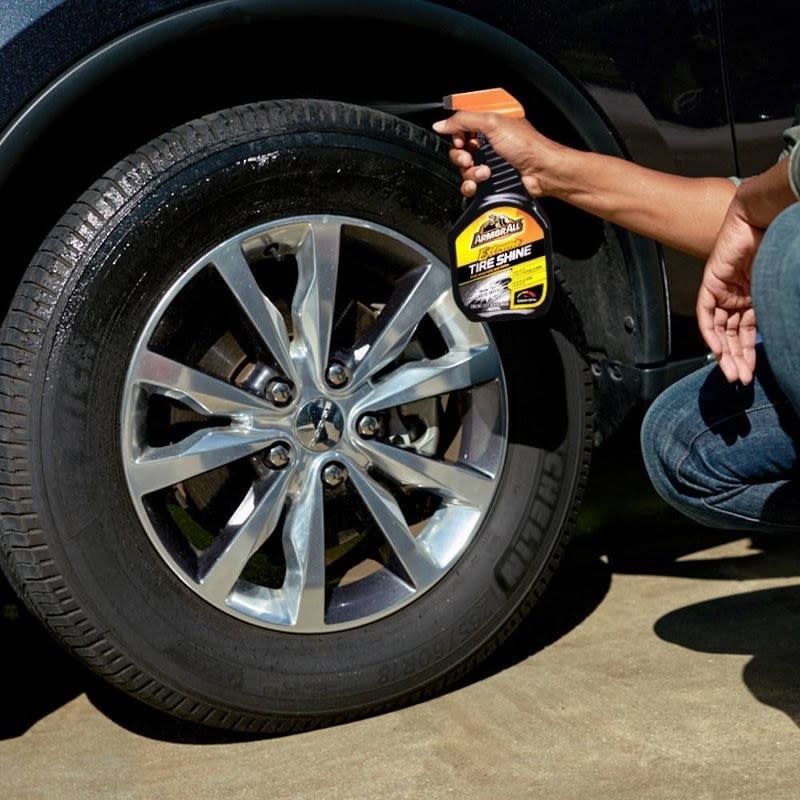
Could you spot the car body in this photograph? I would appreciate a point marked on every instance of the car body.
(677, 87)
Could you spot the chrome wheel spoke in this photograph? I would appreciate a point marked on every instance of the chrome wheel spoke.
(304, 445)
(264, 317)
(389, 518)
(304, 543)
(458, 369)
(201, 392)
(455, 482)
(251, 525)
(397, 322)
(314, 297)
(158, 467)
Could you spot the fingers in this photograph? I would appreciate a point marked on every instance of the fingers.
(477, 174)
(463, 146)
(706, 306)
(732, 339)
(462, 126)
(464, 161)
(471, 179)
(471, 174)
(725, 312)
(726, 360)
(461, 158)
(747, 336)
(734, 333)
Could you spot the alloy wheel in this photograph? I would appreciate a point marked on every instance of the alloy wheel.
(312, 432)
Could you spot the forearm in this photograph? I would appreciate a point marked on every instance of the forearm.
(684, 213)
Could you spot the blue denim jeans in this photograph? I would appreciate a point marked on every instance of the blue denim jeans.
(728, 455)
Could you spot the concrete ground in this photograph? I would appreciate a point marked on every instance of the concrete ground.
(664, 663)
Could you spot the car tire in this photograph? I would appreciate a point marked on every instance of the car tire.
(130, 288)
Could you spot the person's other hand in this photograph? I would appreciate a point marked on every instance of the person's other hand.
(725, 311)
(724, 306)
(514, 140)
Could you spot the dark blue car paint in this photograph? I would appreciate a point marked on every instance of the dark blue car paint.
(642, 78)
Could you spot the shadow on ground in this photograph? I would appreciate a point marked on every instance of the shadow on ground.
(645, 537)
(37, 676)
(624, 528)
(763, 624)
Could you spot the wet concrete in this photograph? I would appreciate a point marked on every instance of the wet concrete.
(664, 663)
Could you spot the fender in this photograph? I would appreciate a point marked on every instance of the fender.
(644, 274)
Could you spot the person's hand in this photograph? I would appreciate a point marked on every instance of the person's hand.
(725, 311)
(514, 140)
(724, 306)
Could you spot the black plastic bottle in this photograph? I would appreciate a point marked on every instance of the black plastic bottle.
(501, 253)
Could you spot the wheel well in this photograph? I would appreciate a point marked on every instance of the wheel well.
(218, 55)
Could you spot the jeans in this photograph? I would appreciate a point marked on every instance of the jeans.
(728, 455)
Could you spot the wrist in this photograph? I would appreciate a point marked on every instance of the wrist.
(758, 200)
(547, 174)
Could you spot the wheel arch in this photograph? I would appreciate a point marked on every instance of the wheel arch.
(211, 56)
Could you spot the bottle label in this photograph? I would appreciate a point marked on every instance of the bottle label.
(501, 262)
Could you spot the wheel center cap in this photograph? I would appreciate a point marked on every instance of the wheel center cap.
(319, 425)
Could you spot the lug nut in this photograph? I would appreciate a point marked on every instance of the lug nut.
(337, 374)
(369, 426)
(278, 455)
(279, 392)
(334, 474)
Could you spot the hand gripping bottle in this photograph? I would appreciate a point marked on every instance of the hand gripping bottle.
(501, 255)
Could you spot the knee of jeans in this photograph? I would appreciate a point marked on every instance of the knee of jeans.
(676, 453)
(661, 449)
(687, 462)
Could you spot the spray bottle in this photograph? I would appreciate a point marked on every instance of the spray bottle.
(501, 254)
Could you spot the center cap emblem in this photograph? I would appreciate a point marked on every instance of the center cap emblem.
(319, 425)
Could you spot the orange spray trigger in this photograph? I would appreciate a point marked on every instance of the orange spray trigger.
(497, 101)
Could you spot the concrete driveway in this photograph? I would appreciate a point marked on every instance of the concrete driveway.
(664, 663)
